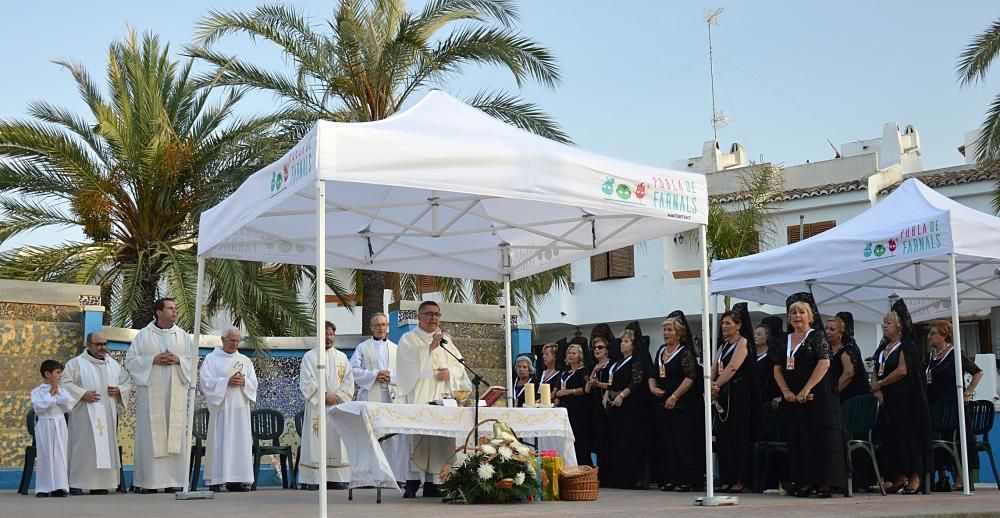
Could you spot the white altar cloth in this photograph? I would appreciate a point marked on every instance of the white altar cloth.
(361, 423)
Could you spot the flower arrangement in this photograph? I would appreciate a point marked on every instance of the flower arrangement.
(498, 470)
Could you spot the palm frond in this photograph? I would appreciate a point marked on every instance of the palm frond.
(978, 55)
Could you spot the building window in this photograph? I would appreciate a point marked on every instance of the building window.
(976, 337)
(616, 264)
(809, 229)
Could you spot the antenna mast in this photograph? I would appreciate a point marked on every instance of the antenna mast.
(718, 118)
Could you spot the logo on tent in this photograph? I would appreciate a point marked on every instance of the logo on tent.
(675, 197)
(294, 166)
(910, 240)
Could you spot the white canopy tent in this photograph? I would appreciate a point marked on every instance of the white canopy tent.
(444, 189)
(941, 257)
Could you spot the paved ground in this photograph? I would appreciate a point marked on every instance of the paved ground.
(287, 503)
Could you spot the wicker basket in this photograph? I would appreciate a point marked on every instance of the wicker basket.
(579, 483)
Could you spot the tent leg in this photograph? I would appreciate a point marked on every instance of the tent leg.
(507, 331)
(706, 364)
(189, 406)
(959, 378)
(321, 334)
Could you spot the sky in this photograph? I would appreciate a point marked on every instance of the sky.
(635, 73)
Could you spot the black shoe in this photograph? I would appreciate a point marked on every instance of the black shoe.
(95, 491)
(173, 490)
(75, 491)
(410, 490)
(238, 487)
(337, 486)
(431, 490)
(42, 495)
(58, 493)
(667, 487)
(216, 488)
(683, 488)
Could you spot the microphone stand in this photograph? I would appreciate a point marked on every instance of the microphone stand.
(476, 380)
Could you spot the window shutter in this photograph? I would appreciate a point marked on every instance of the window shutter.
(819, 227)
(427, 284)
(622, 263)
(598, 267)
(810, 230)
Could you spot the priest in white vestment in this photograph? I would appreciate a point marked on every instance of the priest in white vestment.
(374, 367)
(229, 383)
(339, 389)
(50, 403)
(100, 388)
(426, 372)
(162, 365)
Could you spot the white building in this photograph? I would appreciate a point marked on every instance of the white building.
(662, 275)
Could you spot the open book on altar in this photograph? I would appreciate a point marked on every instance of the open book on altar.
(494, 394)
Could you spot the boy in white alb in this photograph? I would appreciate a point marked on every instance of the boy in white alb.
(51, 435)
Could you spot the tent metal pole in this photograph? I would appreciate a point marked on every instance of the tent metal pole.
(505, 250)
(706, 360)
(956, 354)
(321, 334)
(189, 407)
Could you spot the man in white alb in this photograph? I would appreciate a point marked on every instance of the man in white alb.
(339, 389)
(229, 382)
(374, 367)
(425, 372)
(162, 367)
(100, 388)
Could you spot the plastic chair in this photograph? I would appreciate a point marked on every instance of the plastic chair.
(29, 454)
(268, 425)
(299, 416)
(860, 413)
(980, 422)
(200, 434)
(944, 423)
(772, 444)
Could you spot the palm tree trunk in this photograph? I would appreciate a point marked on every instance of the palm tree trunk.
(144, 314)
(373, 295)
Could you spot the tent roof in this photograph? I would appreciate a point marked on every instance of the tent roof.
(899, 247)
(440, 189)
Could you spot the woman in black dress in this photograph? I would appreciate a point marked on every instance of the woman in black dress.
(810, 406)
(767, 336)
(732, 380)
(940, 373)
(523, 372)
(623, 400)
(899, 384)
(573, 397)
(596, 386)
(847, 373)
(549, 374)
(678, 412)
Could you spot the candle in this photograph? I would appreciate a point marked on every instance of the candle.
(529, 394)
(545, 391)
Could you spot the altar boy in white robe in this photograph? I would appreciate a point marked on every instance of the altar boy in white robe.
(426, 372)
(162, 367)
(50, 404)
(100, 388)
(229, 382)
(374, 367)
(339, 389)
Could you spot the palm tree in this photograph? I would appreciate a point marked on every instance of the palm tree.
(973, 64)
(746, 225)
(134, 174)
(369, 59)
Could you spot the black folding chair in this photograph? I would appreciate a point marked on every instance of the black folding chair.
(944, 424)
(29, 454)
(198, 450)
(981, 414)
(860, 415)
(268, 425)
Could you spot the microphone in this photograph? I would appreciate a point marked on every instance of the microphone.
(444, 341)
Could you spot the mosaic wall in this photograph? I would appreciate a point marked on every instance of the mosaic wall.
(29, 334)
(482, 346)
